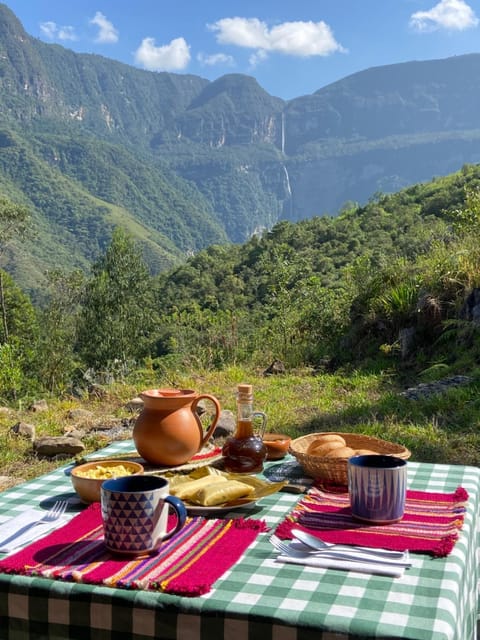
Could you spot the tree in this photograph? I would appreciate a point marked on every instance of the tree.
(55, 357)
(18, 338)
(13, 223)
(118, 314)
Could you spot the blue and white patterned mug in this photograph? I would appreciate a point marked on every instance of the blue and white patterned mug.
(377, 485)
(135, 513)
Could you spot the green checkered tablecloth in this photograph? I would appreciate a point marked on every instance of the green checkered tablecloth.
(258, 599)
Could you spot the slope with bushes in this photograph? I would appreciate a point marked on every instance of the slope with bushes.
(331, 297)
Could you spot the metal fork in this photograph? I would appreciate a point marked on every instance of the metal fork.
(354, 556)
(287, 548)
(281, 546)
(52, 515)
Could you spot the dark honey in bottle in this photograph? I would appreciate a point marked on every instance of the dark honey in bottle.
(245, 451)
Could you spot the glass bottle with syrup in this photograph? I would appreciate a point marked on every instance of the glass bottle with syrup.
(245, 451)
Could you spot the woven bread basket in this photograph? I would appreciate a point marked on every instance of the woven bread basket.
(334, 470)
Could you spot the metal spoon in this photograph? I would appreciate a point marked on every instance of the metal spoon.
(315, 543)
(354, 556)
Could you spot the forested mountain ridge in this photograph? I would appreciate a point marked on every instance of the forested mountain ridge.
(183, 163)
(401, 226)
(345, 290)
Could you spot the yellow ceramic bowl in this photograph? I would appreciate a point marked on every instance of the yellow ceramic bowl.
(87, 478)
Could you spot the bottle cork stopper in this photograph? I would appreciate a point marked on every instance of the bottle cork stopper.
(245, 388)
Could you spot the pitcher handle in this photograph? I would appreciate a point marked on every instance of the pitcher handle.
(209, 432)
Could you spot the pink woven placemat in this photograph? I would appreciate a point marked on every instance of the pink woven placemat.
(430, 525)
(188, 564)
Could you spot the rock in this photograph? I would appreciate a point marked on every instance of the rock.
(327, 364)
(406, 338)
(79, 414)
(276, 368)
(5, 411)
(97, 391)
(200, 408)
(57, 445)
(24, 430)
(6, 482)
(73, 432)
(429, 312)
(427, 389)
(226, 424)
(114, 429)
(109, 423)
(471, 307)
(135, 404)
(39, 405)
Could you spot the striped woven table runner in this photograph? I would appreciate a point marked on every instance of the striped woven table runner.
(430, 525)
(188, 564)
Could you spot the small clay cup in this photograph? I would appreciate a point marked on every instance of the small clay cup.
(277, 445)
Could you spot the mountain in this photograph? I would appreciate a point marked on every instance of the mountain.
(183, 163)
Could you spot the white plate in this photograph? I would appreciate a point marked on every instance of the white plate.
(197, 510)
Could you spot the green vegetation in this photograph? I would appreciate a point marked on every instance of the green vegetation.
(181, 163)
(116, 320)
(110, 177)
(331, 297)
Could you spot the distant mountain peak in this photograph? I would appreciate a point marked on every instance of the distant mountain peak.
(238, 87)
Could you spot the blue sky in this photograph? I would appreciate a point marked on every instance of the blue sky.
(291, 47)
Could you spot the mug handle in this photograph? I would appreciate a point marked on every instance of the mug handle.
(179, 508)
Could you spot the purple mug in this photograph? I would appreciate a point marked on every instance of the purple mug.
(377, 485)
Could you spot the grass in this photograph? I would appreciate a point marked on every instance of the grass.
(443, 428)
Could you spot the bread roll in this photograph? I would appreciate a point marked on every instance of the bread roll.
(366, 452)
(341, 452)
(322, 445)
(330, 437)
(324, 439)
(221, 492)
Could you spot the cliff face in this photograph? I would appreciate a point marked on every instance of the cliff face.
(402, 99)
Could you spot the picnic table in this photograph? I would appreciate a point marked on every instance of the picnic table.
(258, 598)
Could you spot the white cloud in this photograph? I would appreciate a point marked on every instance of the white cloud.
(215, 58)
(49, 29)
(107, 34)
(302, 39)
(169, 57)
(256, 58)
(66, 33)
(243, 32)
(53, 32)
(453, 15)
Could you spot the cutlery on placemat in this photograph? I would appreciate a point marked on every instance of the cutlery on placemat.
(295, 550)
(320, 545)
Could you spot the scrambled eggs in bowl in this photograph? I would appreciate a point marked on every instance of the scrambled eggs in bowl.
(87, 478)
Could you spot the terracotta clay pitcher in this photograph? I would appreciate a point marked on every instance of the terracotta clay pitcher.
(168, 431)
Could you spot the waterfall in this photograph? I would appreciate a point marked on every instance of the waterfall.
(289, 192)
(287, 179)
